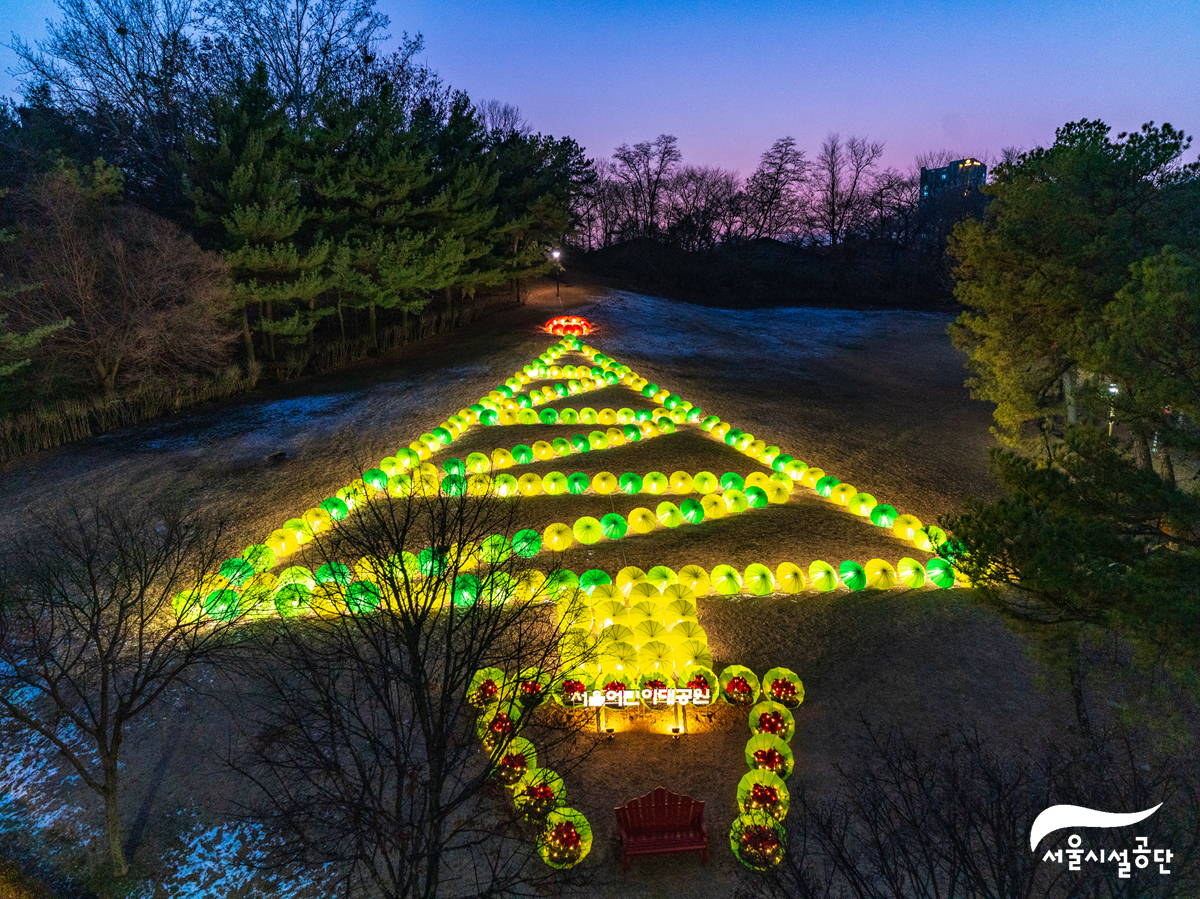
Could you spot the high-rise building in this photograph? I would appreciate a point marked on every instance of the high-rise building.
(949, 195)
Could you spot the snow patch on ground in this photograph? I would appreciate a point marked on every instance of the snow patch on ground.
(33, 777)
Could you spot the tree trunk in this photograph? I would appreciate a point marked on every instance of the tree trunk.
(1141, 446)
(108, 378)
(374, 339)
(312, 329)
(404, 322)
(341, 320)
(449, 314)
(1168, 469)
(1078, 686)
(1068, 385)
(248, 338)
(270, 334)
(112, 821)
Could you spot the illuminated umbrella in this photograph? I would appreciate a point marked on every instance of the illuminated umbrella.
(527, 543)
(883, 516)
(668, 515)
(736, 501)
(291, 599)
(692, 654)
(656, 655)
(790, 577)
(739, 685)
(769, 717)
(529, 485)
(880, 574)
(644, 591)
(906, 526)
(522, 454)
(911, 573)
(678, 609)
(862, 504)
(647, 630)
(726, 580)
(852, 575)
(692, 510)
(697, 677)
(714, 506)
(613, 526)
(824, 485)
(756, 497)
(542, 450)
(777, 493)
(731, 480)
(609, 611)
(642, 520)
(941, 573)
(620, 656)
(616, 633)
(505, 485)
(681, 482)
(629, 576)
(757, 479)
(486, 687)
(605, 483)
(591, 578)
(783, 685)
(563, 579)
(494, 549)
(758, 579)
(578, 483)
(538, 793)
(566, 838)
(695, 579)
(705, 482)
(554, 483)
(558, 536)
(929, 538)
(602, 592)
(842, 494)
(587, 530)
(822, 576)
(677, 590)
(643, 610)
(768, 752)
(807, 477)
(465, 590)
(685, 630)
(771, 796)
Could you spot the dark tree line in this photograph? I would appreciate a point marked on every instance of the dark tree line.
(346, 191)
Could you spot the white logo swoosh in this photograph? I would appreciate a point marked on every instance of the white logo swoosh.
(1058, 817)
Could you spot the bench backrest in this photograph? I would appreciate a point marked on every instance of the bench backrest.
(660, 809)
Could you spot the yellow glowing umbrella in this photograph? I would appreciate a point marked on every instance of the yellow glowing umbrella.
(641, 520)
(601, 592)
(862, 504)
(905, 526)
(810, 476)
(479, 485)
(880, 574)
(911, 573)
(618, 657)
(736, 501)
(661, 577)
(554, 483)
(529, 584)
(616, 633)
(822, 576)
(726, 580)
(677, 591)
(758, 579)
(681, 482)
(842, 493)
(758, 479)
(669, 515)
(615, 437)
(558, 536)
(705, 482)
(714, 506)
(587, 530)
(790, 577)
(542, 451)
(609, 612)
(928, 539)
(692, 654)
(678, 609)
(645, 631)
(629, 576)
(529, 485)
(688, 629)
(604, 483)
(656, 655)
(695, 579)
(645, 591)
(776, 493)
(654, 483)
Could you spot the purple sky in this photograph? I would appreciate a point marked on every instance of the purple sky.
(729, 78)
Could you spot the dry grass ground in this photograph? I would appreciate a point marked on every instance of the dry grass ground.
(875, 398)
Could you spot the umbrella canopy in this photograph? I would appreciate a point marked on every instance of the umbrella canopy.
(656, 655)
(941, 573)
(771, 797)
(587, 530)
(642, 520)
(883, 516)
(602, 592)
(605, 483)
(647, 630)
(929, 538)
(808, 477)
(739, 685)
(661, 576)
(714, 506)
(790, 577)
(852, 575)
(757, 479)
(655, 483)
(578, 482)
(678, 609)
(615, 633)
(609, 611)
(736, 501)
(558, 536)
(777, 493)
(529, 485)
(669, 515)
(842, 493)
(629, 576)
(644, 591)
(630, 483)
(825, 484)
(681, 482)
(905, 526)
(591, 578)
(911, 573)
(527, 543)
(692, 510)
(620, 656)
(756, 497)
(695, 579)
(766, 751)
(675, 591)
(613, 526)
(691, 654)
(862, 504)
(769, 717)
(726, 580)
(822, 576)
(783, 685)
(758, 579)
(688, 629)
(554, 483)
(542, 450)
(705, 482)
(880, 574)
(731, 480)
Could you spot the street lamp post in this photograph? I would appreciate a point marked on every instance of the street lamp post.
(555, 254)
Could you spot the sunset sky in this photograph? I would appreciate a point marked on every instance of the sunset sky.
(729, 78)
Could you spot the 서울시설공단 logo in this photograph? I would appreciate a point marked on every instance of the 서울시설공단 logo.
(1069, 817)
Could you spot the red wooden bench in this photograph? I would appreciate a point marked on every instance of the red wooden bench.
(661, 821)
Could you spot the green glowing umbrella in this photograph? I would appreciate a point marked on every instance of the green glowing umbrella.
(941, 573)
(883, 516)
(732, 481)
(739, 685)
(770, 717)
(554, 483)
(768, 752)
(911, 573)
(527, 543)
(822, 576)
(726, 580)
(771, 797)
(736, 501)
(758, 578)
(587, 530)
(655, 483)
(756, 497)
(692, 510)
(852, 575)
(630, 482)
(668, 515)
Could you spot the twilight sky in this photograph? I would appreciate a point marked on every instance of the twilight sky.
(729, 78)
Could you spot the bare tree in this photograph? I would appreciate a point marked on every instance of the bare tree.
(699, 203)
(772, 205)
(89, 640)
(143, 299)
(363, 750)
(646, 170)
(841, 185)
(307, 45)
(503, 118)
